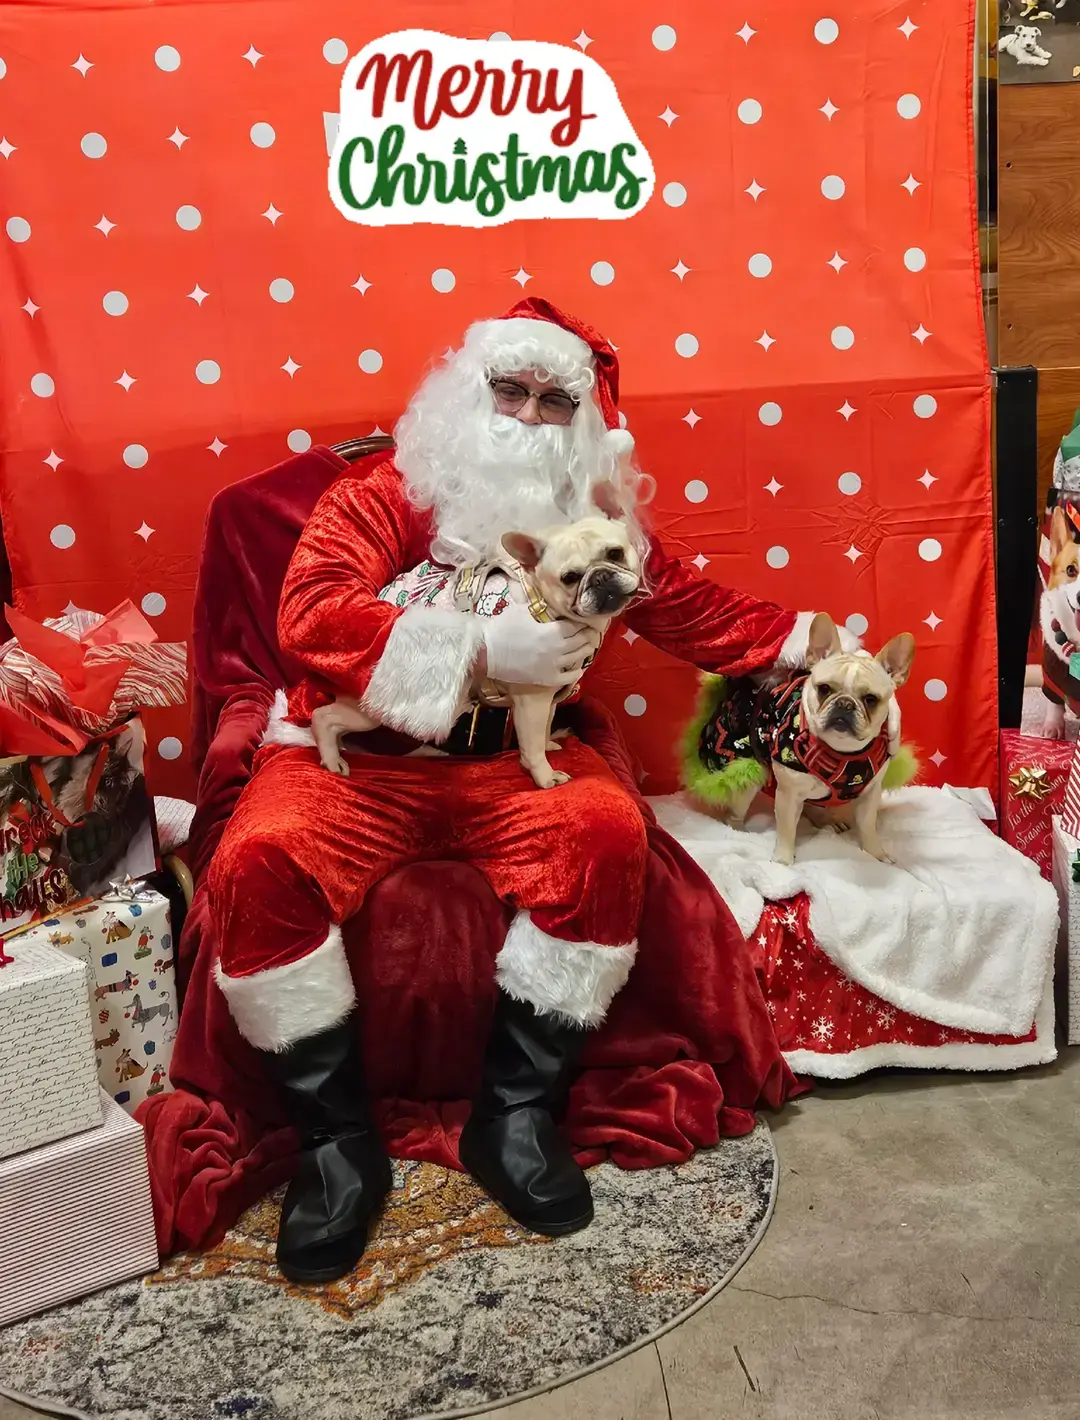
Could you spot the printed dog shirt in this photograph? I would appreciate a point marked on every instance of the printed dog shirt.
(765, 723)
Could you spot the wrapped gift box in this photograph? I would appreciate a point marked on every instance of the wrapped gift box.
(77, 1216)
(125, 938)
(48, 1078)
(1033, 778)
(1066, 851)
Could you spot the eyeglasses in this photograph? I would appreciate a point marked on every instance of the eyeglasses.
(555, 407)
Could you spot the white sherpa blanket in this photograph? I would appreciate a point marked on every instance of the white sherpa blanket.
(960, 931)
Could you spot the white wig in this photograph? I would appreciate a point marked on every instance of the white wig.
(484, 474)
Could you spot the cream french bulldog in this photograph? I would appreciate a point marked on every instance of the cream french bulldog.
(584, 572)
(848, 706)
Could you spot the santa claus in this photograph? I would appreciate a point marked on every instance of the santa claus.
(515, 431)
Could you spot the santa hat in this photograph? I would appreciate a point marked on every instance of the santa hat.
(536, 322)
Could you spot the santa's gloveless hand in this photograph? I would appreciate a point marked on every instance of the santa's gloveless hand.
(522, 651)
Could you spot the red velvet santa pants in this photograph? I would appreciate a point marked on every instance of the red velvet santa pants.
(304, 846)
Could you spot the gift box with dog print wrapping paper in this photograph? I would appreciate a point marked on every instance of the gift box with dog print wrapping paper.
(125, 938)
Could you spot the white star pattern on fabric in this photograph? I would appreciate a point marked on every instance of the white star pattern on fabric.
(932, 621)
(746, 34)
(853, 554)
(198, 295)
(217, 448)
(681, 269)
(927, 480)
(922, 334)
(755, 189)
(178, 138)
(630, 636)
(583, 40)
(847, 409)
(765, 340)
(30, 309)
(701, 562)
(668, 116)
(938, 758)
(522, 277)
(6, 148)
(53, 460)
(773, 487)
(104, 226)
(272, 214)
(125, 381)
(691, 418)
(83, 65)
(837, 262)
(907, 29)
(145, 531)
(362, 286)
(828, 108)
(290, 367)
(252, 56)
(911, 183)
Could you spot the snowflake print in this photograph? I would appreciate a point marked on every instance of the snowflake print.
(886, 1016)
(790, 919)
(800, 995)
(770, 1006)
(823, 1029)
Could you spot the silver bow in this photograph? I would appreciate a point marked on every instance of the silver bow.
(127, 890)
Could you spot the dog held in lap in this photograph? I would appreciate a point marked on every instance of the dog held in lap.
(584, 573)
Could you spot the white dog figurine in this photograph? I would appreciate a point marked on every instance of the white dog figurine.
(1023, 44)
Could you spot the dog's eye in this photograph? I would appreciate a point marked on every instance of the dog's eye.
(871, 701)
(824, 690)
(1071, 571)
(615, 554)
(571, 579)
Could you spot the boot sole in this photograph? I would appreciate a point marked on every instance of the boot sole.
(316, 1276)
(533, 1225)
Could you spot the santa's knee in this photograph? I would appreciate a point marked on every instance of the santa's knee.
(267, 908)
(604, 832)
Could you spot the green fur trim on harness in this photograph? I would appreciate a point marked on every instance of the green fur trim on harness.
(720, 788)
(717, 787)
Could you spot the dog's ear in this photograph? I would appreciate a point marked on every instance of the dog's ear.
(897, 657)
(824, 640)
(525, 550)
(1060, 533)
(606, 499)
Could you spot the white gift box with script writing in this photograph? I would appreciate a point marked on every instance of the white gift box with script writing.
(126, 940)
(48, 1077)
(76, 1216)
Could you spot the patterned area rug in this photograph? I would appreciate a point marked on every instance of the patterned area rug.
(454, 1309)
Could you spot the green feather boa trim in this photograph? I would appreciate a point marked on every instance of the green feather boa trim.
(720, 788)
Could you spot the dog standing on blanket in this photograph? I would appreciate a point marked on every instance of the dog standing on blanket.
(829, 736)
(584, 572)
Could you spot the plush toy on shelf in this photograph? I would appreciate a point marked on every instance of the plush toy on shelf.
(1059, 575)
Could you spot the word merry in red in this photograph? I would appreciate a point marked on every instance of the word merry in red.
(461, 89)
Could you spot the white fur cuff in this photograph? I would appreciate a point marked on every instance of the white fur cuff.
(275, 1008)
(419, 684)
(574, 980)
(280, 731)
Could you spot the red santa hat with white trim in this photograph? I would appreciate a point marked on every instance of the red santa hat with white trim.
(566, 335)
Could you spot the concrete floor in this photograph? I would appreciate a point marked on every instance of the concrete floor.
(923, 1262)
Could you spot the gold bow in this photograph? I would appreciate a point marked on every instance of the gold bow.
(1030, 782)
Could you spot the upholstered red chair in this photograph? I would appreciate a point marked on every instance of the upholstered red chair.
(688, 1051)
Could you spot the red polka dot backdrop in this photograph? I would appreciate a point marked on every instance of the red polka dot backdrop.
(796, 309)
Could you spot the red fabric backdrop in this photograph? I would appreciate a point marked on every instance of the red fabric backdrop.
(796, 309)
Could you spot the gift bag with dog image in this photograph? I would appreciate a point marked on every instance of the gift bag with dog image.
(1059, 596)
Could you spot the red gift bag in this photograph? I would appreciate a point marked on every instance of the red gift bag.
(1034, 773)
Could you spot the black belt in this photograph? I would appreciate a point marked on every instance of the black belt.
(489, 730)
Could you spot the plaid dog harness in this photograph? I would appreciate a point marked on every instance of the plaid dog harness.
(765, 723)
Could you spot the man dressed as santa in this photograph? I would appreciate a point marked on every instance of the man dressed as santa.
(514, 432)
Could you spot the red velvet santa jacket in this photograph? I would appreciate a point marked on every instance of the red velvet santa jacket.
(410, 666)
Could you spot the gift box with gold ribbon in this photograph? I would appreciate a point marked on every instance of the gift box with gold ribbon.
(1034, 774)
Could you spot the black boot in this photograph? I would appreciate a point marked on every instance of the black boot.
(344, 1172)
(510, 1143)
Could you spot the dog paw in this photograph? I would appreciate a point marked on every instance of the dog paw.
(552, 745)
(878, 853)
(551, 780)
(1053, 725)
(784, 856)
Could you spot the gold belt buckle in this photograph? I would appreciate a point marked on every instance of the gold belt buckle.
(472, 726)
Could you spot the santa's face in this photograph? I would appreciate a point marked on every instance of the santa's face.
(531, 399)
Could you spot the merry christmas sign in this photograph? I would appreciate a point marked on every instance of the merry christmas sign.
(476, 133)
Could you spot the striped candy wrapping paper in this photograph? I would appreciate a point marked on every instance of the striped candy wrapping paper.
(1070, 809)
(48, 1078)
(76, 1217)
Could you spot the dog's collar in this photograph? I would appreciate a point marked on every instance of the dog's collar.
(469, 586)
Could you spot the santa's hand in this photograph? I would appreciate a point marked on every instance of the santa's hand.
(523, 651)
(794, 650)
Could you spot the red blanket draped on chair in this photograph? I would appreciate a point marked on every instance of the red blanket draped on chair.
(686, 1055)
